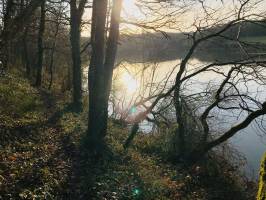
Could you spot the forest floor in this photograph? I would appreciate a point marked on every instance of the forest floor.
(42, 157)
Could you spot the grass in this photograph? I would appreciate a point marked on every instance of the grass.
(20, 103)
(47, 161)
(33, 164)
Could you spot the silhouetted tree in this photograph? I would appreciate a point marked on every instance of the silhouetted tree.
(14, 21)
(101, 69)
(76, 13)
(225, 97)
(40, 46)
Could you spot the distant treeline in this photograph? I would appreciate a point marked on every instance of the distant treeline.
(158, 47)
(248, 29)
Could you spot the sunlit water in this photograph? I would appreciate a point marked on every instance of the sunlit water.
(131, 80)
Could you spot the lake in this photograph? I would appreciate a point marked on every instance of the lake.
(132, 78)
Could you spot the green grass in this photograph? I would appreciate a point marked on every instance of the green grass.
(20, 103)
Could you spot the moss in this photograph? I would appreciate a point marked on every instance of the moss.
(20, 103)
(262, 182)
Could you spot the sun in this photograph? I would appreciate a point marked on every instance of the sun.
(130, 82)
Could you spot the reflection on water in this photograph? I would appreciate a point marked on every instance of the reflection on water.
(130, 82)
(252, 143)
(157, 48)
(133, 82)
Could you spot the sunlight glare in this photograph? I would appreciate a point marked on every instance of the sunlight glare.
(130, 10)
(130, 83)
(129, 5)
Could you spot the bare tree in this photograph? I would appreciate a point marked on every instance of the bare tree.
(250, 67)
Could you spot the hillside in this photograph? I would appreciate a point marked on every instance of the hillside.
(43, 157)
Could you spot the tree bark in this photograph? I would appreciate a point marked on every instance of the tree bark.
(25, 53)
(75, 23)
(4, 40)
(52, 54)
(101, 70)
(97, 125)
(131, 136)
(180, 146)
(40, 46)
(51, 66)
(262, 182)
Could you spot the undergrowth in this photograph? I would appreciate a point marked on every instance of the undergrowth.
(47, 161)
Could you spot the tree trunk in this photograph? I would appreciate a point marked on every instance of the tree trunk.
(199, 151)
(101, 70)
(131, 136)
(51, 67)
(25, 53)
(97, 123)
(4, 39)
(180, 130)
(75, 22)
(40, 46)
(52, 55)
(262, 182)
(13, 25)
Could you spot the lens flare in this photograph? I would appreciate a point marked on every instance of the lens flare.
(136, 192)
(133, 110)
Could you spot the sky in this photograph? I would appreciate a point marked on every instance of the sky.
(181, 18)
